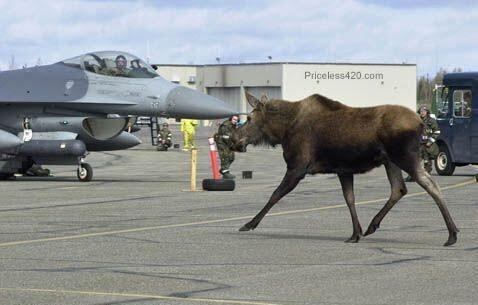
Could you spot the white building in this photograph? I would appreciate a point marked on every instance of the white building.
(357, 85)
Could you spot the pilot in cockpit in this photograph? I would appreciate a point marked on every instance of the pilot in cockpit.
(120, 69)
(116, 68)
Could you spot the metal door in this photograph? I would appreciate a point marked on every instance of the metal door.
(461, 125)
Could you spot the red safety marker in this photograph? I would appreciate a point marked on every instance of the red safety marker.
(213, 154)
(216, 184)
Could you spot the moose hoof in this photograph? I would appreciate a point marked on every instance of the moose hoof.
(371, 229)
(249, 226)
(353, 239)
(452, 238)
(244, 228)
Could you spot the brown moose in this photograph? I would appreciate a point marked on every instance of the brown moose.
(319, 135)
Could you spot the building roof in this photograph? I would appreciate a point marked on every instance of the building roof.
(286, 63)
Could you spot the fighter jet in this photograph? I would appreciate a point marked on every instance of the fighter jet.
(56, 114)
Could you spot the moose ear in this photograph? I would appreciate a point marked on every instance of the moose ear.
(252, 100)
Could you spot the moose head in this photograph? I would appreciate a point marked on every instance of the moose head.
(266, 123)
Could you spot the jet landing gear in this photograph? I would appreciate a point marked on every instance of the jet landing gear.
(84, 172)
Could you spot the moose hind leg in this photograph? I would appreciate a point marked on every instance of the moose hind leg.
(347, 182)
(399, 189)
(425, 181)
(289, 182)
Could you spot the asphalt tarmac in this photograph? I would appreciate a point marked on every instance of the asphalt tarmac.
(134, 235)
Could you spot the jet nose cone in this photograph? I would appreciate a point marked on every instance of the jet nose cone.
(187, 103)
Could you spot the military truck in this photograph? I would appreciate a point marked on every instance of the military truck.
(457, 117)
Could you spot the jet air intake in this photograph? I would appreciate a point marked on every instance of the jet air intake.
(104, 129)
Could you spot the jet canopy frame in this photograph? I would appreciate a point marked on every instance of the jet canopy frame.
(113, 64)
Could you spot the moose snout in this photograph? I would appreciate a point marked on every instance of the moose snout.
(240, 145)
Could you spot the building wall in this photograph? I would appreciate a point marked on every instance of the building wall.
(230, 95)
(227, 82)
(241, 75)
(235, 97)
(347, 83)
(182, 75)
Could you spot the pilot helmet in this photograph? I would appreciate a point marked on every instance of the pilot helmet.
(120, 61)
(165, 124)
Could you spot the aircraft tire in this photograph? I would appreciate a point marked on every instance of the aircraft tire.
(86, 173)
(443, 162)
(218, 185)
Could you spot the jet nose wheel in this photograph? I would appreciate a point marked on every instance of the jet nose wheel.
(85, 172)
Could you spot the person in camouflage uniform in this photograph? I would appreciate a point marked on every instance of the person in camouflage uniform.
(428, 147)
(164, 138)
(224, 145)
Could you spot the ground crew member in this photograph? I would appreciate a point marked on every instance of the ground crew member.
(428, 147)
(224, 145)
(37, 170)
(164, 138)
(34, 169)
(188, 128)
(27, 130)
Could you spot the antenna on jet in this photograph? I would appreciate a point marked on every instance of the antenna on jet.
(11, 64)
(270, 58)
(218, 59)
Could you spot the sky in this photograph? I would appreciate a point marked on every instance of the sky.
(432, 34)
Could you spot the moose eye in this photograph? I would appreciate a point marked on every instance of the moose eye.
(248, 118)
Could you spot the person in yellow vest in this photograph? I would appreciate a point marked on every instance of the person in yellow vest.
(188, 128)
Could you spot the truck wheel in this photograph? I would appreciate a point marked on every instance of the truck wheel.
(85, 172)
(218, 185)
(443, 163)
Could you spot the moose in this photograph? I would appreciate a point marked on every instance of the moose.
(320, 135)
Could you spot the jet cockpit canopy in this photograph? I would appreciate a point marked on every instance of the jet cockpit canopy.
(112, 63)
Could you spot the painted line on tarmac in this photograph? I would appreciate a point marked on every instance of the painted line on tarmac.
(189, 224)
(68, 187)
(135, 295)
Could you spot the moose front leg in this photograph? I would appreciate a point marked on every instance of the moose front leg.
(289, 182)
(347, 182)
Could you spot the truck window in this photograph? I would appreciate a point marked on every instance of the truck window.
(442, 102)
(462, 103)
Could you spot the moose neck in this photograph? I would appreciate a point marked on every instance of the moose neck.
(280, 118)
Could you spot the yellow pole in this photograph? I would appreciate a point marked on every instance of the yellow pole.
(193, 169)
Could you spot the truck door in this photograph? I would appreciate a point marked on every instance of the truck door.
(443, 112)
(460, 125)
